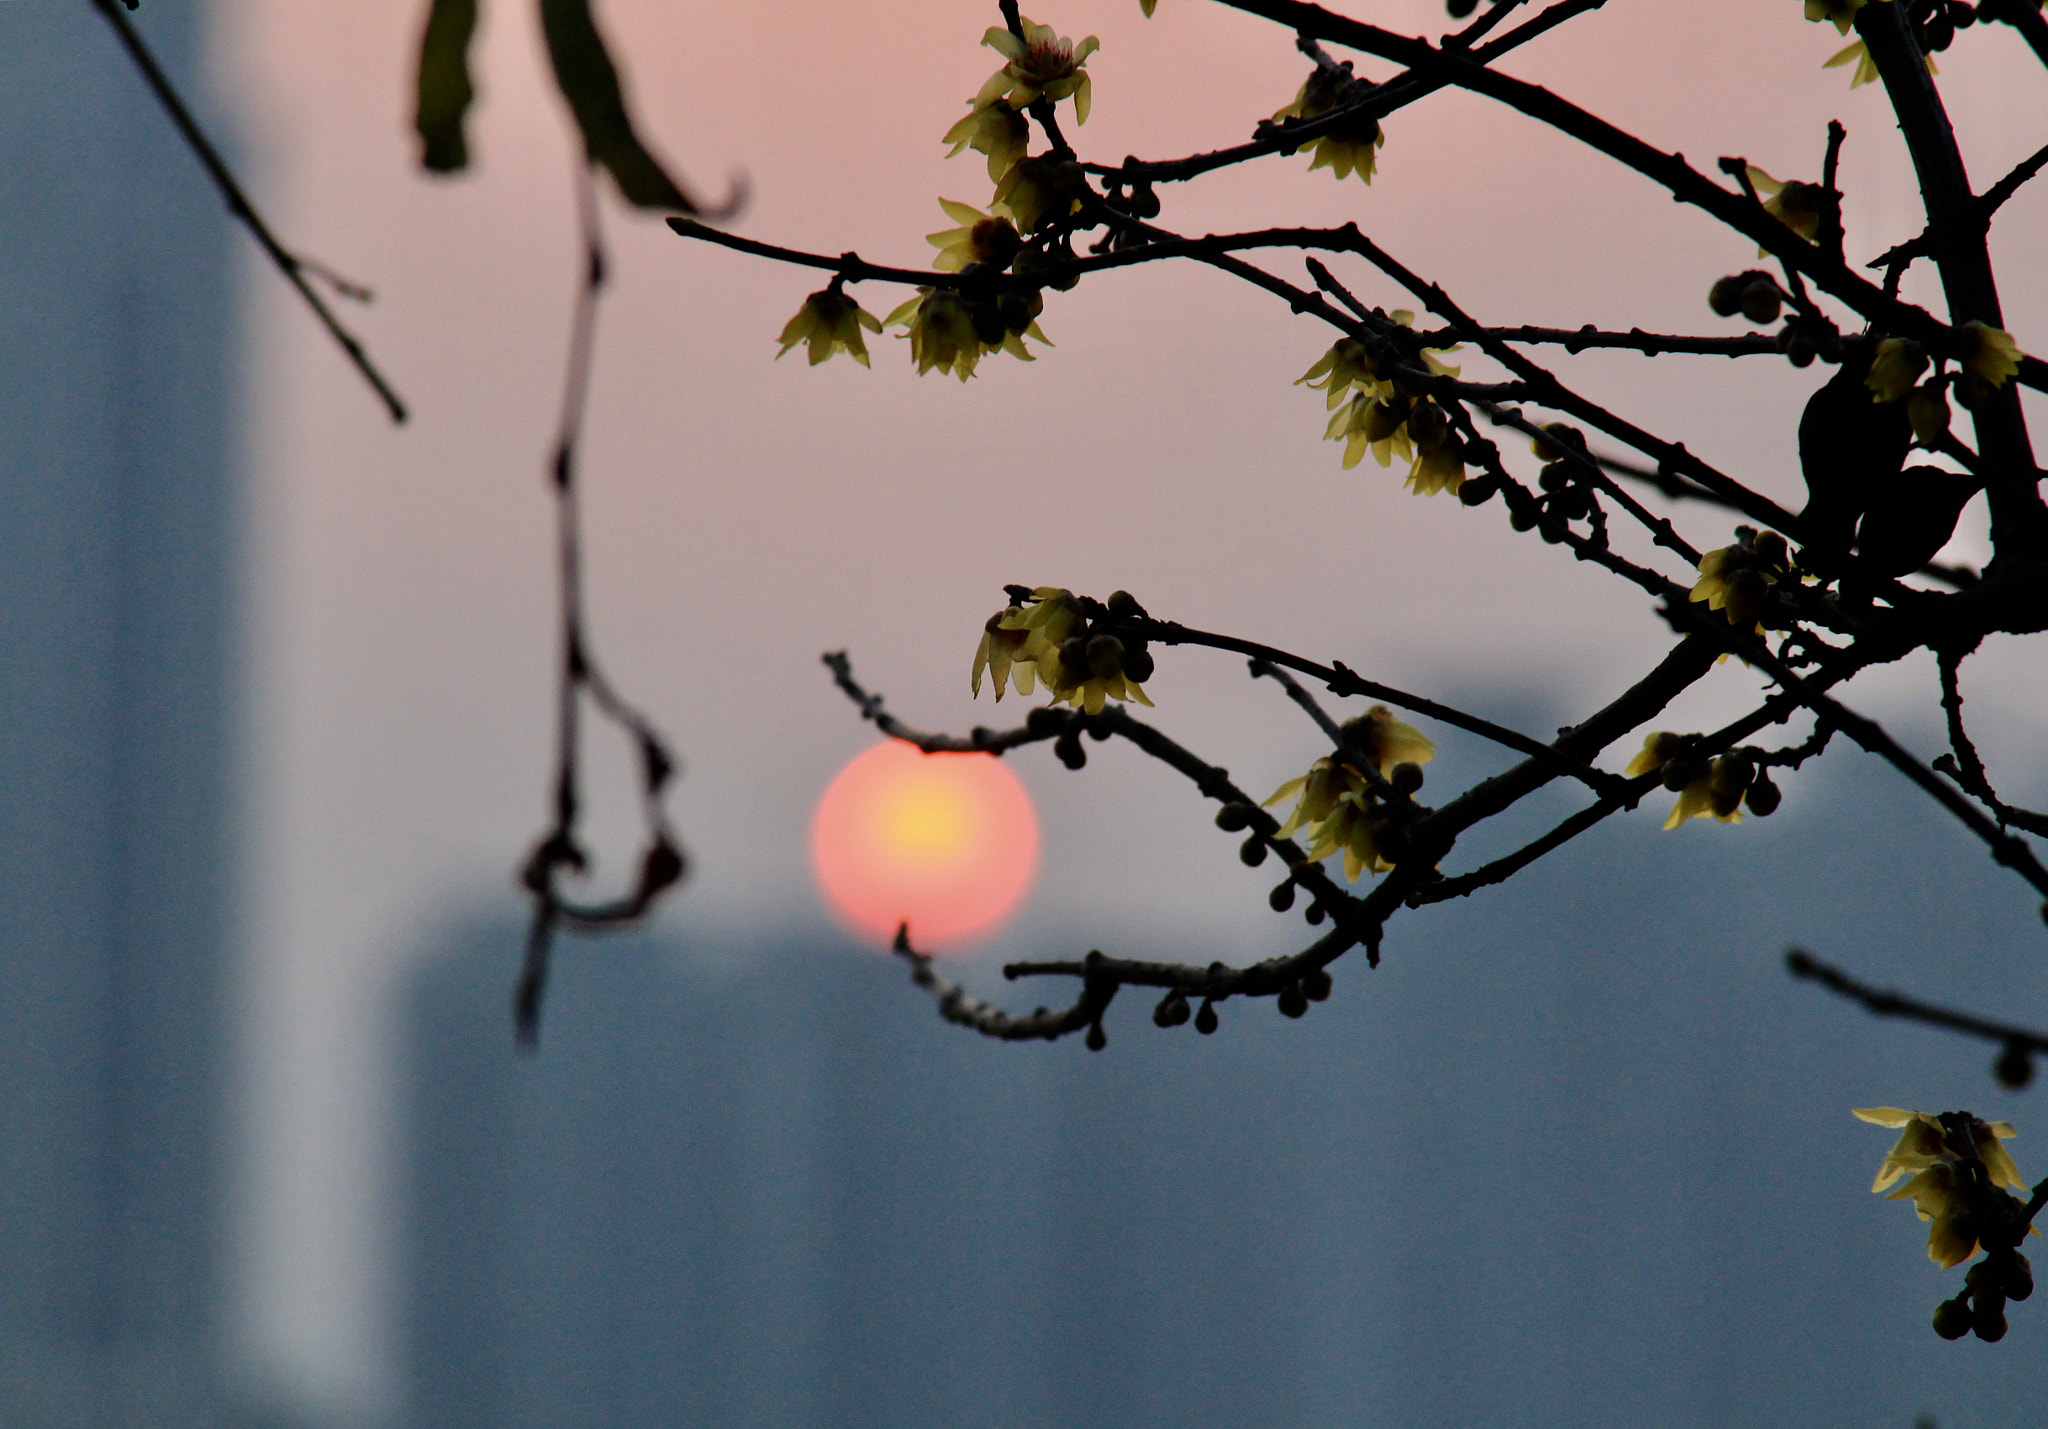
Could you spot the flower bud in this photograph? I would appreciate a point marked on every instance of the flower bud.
(1390, 837)
(1406, 777)
(1772, 550)
(1105, 655)
(1747, 592)
(1074, 658)
(1426, 423)
(1293, 1002)
(1124, 606)
(1172, 1010)
(1477, 491)
(1952, 1319)
(1138, 664)
(1315, 915)
(1205, 1020)
(1097, 1038)
(1068, 748)
(1384, 418)
(1725, 297)
(1761, 302)
(1678, 773)
(1282, 896)
(1315, 986)
(1987, 1317)
(2019, 1277)
(1233, 816)
(2014, 1068)
(1763, 797)
(1252, 852)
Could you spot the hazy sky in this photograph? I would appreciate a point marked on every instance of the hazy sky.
(744, 515)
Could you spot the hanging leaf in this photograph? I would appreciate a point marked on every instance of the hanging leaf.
(590, 83)
(445, 91)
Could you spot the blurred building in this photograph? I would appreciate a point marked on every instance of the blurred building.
(1578, 1155)
(117, 527)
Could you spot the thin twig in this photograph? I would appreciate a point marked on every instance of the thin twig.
(1805, 966)
(288, 263)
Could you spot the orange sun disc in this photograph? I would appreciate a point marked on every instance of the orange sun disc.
(946, 842)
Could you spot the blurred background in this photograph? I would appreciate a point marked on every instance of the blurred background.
(277, 693)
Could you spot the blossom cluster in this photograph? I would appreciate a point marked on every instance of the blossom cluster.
(1721, 785)
(1960, 1177)
(1389, 416)
(1084, 652)
(1350, 145)
(1738, 580)
(1341, 807)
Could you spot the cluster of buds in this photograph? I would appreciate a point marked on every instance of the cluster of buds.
(1755, 295)
(1360, 801)
(1962, 1180)
(1085, 652)
(1351, 146)
(1738, 580)
(1798, 205)
(1390, 416)
(1567, 496)
(1135, 199)
(1717, 785)
(1935, 22)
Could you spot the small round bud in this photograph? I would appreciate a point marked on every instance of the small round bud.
(1234, 816)
(1478, 490)
(1406, 777)
(1252, 851)
(1952, 1319)
(1097, 1038)
(2014, 1068)
(1800, 353)
(1315, 915)
(1460, 9)
(1293, 1001)
(1315, 986)
(1172, 1010)
(1068, 748)
(1762, 797)
(1772, 549)
(1572, 505)
(1205, 1020)
(1144, 201)
(2019, 1278)
(1426, 424)
(1138, 664)
(1761, 302)
(1725, 297)
(1282, 897)
(1096, 729)
(1555, 477)
(1987, 1318)
(1678, 773)
(1522, 519)
(1124, 606)
(1074, 657)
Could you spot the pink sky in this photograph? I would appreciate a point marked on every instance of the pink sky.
(745, 515)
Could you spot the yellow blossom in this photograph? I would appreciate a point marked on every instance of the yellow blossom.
(1002, 644)
(1715, 789)
(829, 322)
(1350, 146)
(1938, 1187)
(990, 239)
(1737, 579)
(1037, 189)
(1894, 369)
(1793, 203)
(1658, 750)
(1989, 352)
(1841, 12)
(941, 332)
(1040, 64)
(1337, 371)
(1856, 53)
(994, 129)
(1375, 424)
(1438, 466)
(1336, 806)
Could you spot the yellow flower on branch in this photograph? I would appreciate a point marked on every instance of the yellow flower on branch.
(1002, 649)
(1989, 353)
(1792, 202)
(994, 129)
(989, 239)
(1894, 369)
(1337, 807)
(941, 332)
(1037, 189)
(1344, 366)
(1042, 64)
(1939, 1186)
(829, 322)
(1350, 147)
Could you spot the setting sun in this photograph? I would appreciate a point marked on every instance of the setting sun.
(947, 842)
